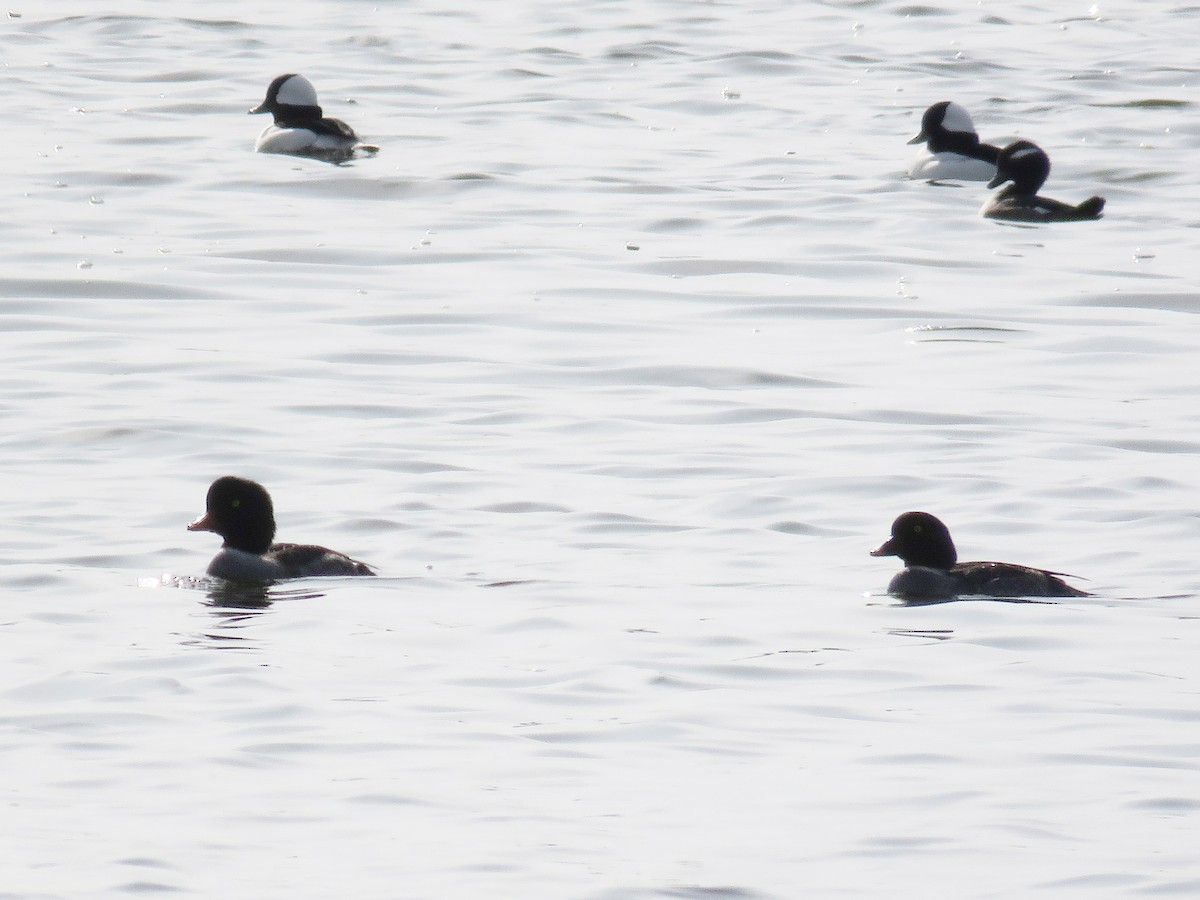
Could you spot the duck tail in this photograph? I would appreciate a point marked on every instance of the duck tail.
(1091, 208)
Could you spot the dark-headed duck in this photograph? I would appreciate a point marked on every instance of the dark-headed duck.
(932, 570)
(240, 511)
(1027, 166)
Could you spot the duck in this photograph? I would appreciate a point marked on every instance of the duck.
(241, 512)
(1026, 165)
(953, 149)
(932, 570)
(300, 128)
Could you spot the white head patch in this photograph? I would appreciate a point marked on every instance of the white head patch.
(297, 91)
(1026, 152)
(957, 119)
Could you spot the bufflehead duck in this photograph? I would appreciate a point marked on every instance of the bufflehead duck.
(299, 128)
(932, 570)
(240, 511)
(954, 151)
(1026, 165)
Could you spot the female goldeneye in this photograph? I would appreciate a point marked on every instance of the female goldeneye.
(932, 570)
(954, 151)
(299, 128)
(240, 511)
(1026, 165)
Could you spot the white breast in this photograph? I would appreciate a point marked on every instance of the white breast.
(950, 167)
(298, 140)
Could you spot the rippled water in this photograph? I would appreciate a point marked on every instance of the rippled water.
(615, 362)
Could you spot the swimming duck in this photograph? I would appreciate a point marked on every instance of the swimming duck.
(932, 570)
(300, 128)
(1026, 165)
(240, 511)
(954, 150)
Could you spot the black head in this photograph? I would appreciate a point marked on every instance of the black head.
(930, 122)
(920, 540)
(946, 126)
(1023, 163)
(240, 511)
(290, 96)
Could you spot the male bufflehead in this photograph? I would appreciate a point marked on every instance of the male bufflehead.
(299, 128)
(1026, 166)
(954, 151)
(932, 570)
(240, 511)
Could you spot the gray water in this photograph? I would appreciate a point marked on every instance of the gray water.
(615, 362)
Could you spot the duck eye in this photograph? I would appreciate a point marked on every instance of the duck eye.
(236, 503)
(918, 529)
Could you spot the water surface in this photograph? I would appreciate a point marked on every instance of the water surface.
(616, 361)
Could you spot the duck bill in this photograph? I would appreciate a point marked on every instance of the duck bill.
(200, 524)
(261, 108)
(997, 181)
(919, 139)
(885, 549)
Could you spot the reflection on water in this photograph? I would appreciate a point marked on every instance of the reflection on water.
(234, 595)
(936, 634)
(231, 595)
(936, 601)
